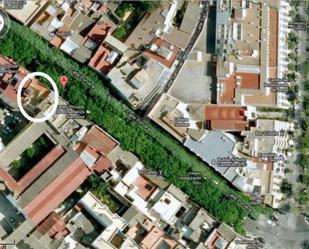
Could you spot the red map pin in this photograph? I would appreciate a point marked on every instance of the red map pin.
(64, 80)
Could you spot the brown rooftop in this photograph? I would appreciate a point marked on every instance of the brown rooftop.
(249, 80)
(273, 37)
(230, 86)
(160, 43)
(57, 191)
(99, 140)
(230, 118)
(19, 186)
(54, 225)
(228, 92)
(145, 188)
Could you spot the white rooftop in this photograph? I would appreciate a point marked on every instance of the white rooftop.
(167, 207)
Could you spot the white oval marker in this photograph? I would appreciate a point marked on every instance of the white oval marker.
(1, 23)
(56, 93)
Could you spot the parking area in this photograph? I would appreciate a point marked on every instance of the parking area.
(11, 124)
(193, 84)
(10, 218)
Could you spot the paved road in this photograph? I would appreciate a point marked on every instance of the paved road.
(288, 233)
(184, 54)
(181, 57)
(291, 230)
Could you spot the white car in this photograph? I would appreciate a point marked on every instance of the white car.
(271, 223)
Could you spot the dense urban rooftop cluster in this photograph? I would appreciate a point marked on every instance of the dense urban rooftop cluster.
(59, 200)
(67, 183)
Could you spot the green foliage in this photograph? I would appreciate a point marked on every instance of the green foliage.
(138, 10)
(155, 149)
(292, 55)
(292, 37)
(123, 8)
(292, 13)
(30, 157)
(291, 45)
(16, 164)
(291, 76)
(286, 187)
(30, 152)
(292, 93)
(306, 68)
(291, 67)
(100, 190)
(149, 6)
(120, 32)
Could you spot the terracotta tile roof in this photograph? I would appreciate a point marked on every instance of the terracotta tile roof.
(249, 80)
(99, 60)
(99, 140)
(56, 192)
(39, 168)
(5, 61)
(8, 179)
(33, 174)
(152, 238)
(57, 41)
(99, 31)
(164, 61)
(102, 165)
(87, 3)
(228, 94)
(231, 118)
(156, 238)
(53, 225)
(273, 37)
(211, 243)
(145, 188)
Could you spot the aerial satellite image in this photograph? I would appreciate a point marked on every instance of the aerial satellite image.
(154, 124)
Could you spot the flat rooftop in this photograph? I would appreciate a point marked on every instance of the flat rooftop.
(99, 140)
(135, 83)
(215, 144)
(30, 9)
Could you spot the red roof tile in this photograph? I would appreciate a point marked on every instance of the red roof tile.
(228, 94)
(229, 118)
(102, 165)
(249, 80)
(145, 188)
(273, 37)
(56, 192)
(99, 60)
(39, 168)
(164, 61)
(99, 140)
(229, 85)
(52, 225)
(99, 32)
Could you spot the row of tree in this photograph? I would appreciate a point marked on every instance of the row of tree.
(155, 149)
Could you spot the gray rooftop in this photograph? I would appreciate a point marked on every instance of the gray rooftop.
(56, 169)
(21, 142)
(226, 232)
(176, 192)
(214, 145)
(190, 18)
(223, 17)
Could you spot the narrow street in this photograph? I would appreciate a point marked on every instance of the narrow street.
(288, 233)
